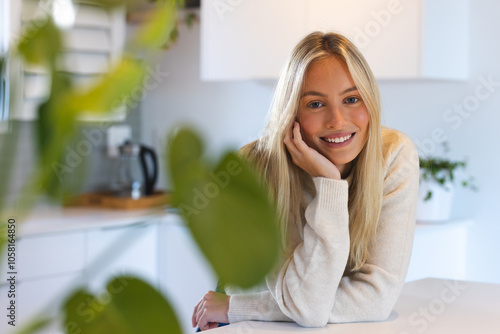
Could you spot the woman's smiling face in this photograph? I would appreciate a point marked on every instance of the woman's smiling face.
(332, 116)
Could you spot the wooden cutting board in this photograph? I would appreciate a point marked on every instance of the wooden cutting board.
(107, 200)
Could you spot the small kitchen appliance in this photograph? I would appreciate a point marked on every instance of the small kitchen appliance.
(137, 171)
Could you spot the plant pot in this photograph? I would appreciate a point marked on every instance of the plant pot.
(438, 207)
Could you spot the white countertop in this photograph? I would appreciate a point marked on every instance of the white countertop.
(424, 226)
(431, 306)
(53, 219)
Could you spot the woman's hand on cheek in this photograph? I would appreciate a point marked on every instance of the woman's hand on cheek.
(308, 158)
(211, 310)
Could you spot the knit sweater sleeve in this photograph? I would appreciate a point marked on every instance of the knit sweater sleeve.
(304, 288)
(310, 290)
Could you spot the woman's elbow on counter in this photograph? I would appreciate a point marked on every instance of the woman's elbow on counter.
(380, 314)
(312, 319)
(316, 323)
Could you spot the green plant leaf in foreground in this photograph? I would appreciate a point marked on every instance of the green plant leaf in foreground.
(227, 210)
(128, 306)
(158, 30)
(110, 92)
(41, 45)
(35, 325)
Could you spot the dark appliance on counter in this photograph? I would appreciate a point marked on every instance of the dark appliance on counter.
(137, 172)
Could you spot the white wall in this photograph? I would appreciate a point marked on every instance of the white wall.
(230, 114)
(419, 108)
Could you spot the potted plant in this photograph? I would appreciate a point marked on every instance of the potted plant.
(437, 183)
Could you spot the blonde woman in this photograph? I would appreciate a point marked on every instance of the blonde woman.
(346, 192)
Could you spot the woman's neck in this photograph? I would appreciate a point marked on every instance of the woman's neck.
(344, 170)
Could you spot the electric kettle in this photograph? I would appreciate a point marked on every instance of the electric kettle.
(137, 171)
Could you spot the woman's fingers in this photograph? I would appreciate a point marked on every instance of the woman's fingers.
(194, 320)
(201, 319)
(202, 323)
(199, 315)
(297, 136)
(212, 309)
(298, 149)
(300, 144)
(292, 140)
(291, 144)
(288, 137)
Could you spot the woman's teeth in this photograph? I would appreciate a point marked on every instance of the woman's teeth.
(338, 139)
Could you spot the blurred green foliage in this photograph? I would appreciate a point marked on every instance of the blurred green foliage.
(227, 211)
(128, 306)
(234, 224)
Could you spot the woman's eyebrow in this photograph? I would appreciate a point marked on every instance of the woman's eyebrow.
(315, 93)
(312, 92)
(353, 88)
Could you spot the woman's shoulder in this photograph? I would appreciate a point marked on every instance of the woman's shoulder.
(398, 147)
(392, 137)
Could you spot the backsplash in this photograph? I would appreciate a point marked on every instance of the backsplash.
(91, 171)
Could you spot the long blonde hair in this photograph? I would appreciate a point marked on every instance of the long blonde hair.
(287, 181)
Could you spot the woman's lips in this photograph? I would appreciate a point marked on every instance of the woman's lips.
(339, 140)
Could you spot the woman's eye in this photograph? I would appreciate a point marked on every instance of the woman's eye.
(351, 100)
(315, 105)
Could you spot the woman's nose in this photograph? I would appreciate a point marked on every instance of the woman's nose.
(335, 119)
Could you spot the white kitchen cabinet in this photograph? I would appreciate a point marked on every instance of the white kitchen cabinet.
(47, 268)
(185, 274)
(61, 249)
(41, 294)
(124, 250)
(440, 251)
(49, 255)
(51, 264)
(248, 39)
(401, 39)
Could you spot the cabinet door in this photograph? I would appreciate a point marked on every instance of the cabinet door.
(40, 256)
(185, 273)
(48, 268)
(439, 251)
(126, 250)
(401, 39)
(45, 295)
(386, 32)
(248, 39)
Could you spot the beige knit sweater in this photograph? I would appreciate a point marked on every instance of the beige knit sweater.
(310, 288)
